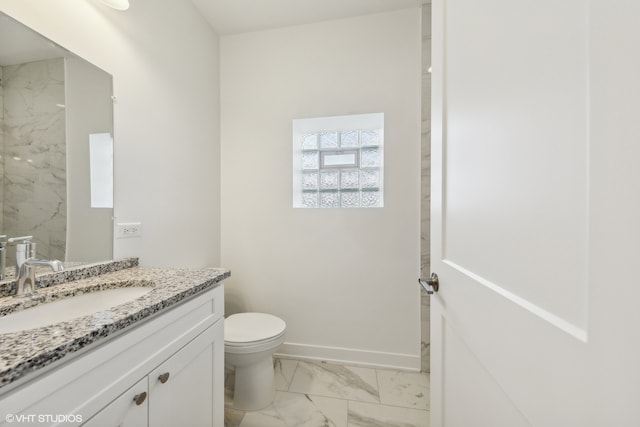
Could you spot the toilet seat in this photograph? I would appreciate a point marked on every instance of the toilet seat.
(251, 329)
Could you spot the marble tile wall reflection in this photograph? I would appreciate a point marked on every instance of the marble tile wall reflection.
(34, 154)
(1, 148)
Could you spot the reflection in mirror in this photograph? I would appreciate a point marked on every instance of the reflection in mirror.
(101, 170)
(51, 101)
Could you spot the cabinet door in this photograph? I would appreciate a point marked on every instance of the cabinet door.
(128, 410)
(184, 390)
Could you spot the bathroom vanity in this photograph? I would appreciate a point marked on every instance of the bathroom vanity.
(154, 360)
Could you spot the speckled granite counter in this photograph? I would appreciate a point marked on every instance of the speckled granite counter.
(22, 353)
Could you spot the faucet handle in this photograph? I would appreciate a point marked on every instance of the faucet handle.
(23, 239)
(25, 248)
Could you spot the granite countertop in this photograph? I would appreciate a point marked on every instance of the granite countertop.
(24, 352)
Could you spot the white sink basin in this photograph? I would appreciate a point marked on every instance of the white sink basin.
(69, 308)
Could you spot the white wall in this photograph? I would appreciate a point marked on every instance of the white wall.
(164, 61)
(345, 281)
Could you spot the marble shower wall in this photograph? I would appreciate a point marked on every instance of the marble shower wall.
(34, 181)
(1, 148)
(425, 204)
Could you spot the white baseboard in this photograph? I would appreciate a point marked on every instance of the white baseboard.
(349, 356)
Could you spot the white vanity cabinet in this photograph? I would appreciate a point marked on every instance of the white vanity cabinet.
(171, 364)
(178, 392)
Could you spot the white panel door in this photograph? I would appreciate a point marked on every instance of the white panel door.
(536, 213)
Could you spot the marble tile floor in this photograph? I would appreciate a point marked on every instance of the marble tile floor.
(318, 394)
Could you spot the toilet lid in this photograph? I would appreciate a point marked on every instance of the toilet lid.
(251, 327)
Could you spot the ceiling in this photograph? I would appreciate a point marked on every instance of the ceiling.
(240, 16)
(19, 45)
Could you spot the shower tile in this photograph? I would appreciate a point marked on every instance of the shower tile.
(34, 153)
(330, 380)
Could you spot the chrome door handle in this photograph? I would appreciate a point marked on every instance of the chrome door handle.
(431, 285)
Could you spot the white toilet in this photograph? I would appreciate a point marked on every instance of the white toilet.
(250, 339)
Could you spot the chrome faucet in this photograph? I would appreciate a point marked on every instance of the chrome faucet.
(3, 256)
(26, 281)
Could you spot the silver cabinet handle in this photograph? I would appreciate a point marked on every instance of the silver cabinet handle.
(431, 285)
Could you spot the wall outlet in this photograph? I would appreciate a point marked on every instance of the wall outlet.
(128, 229)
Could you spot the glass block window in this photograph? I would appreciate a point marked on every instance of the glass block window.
(338, 162)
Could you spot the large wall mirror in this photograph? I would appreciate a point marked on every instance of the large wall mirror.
(56, 148)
